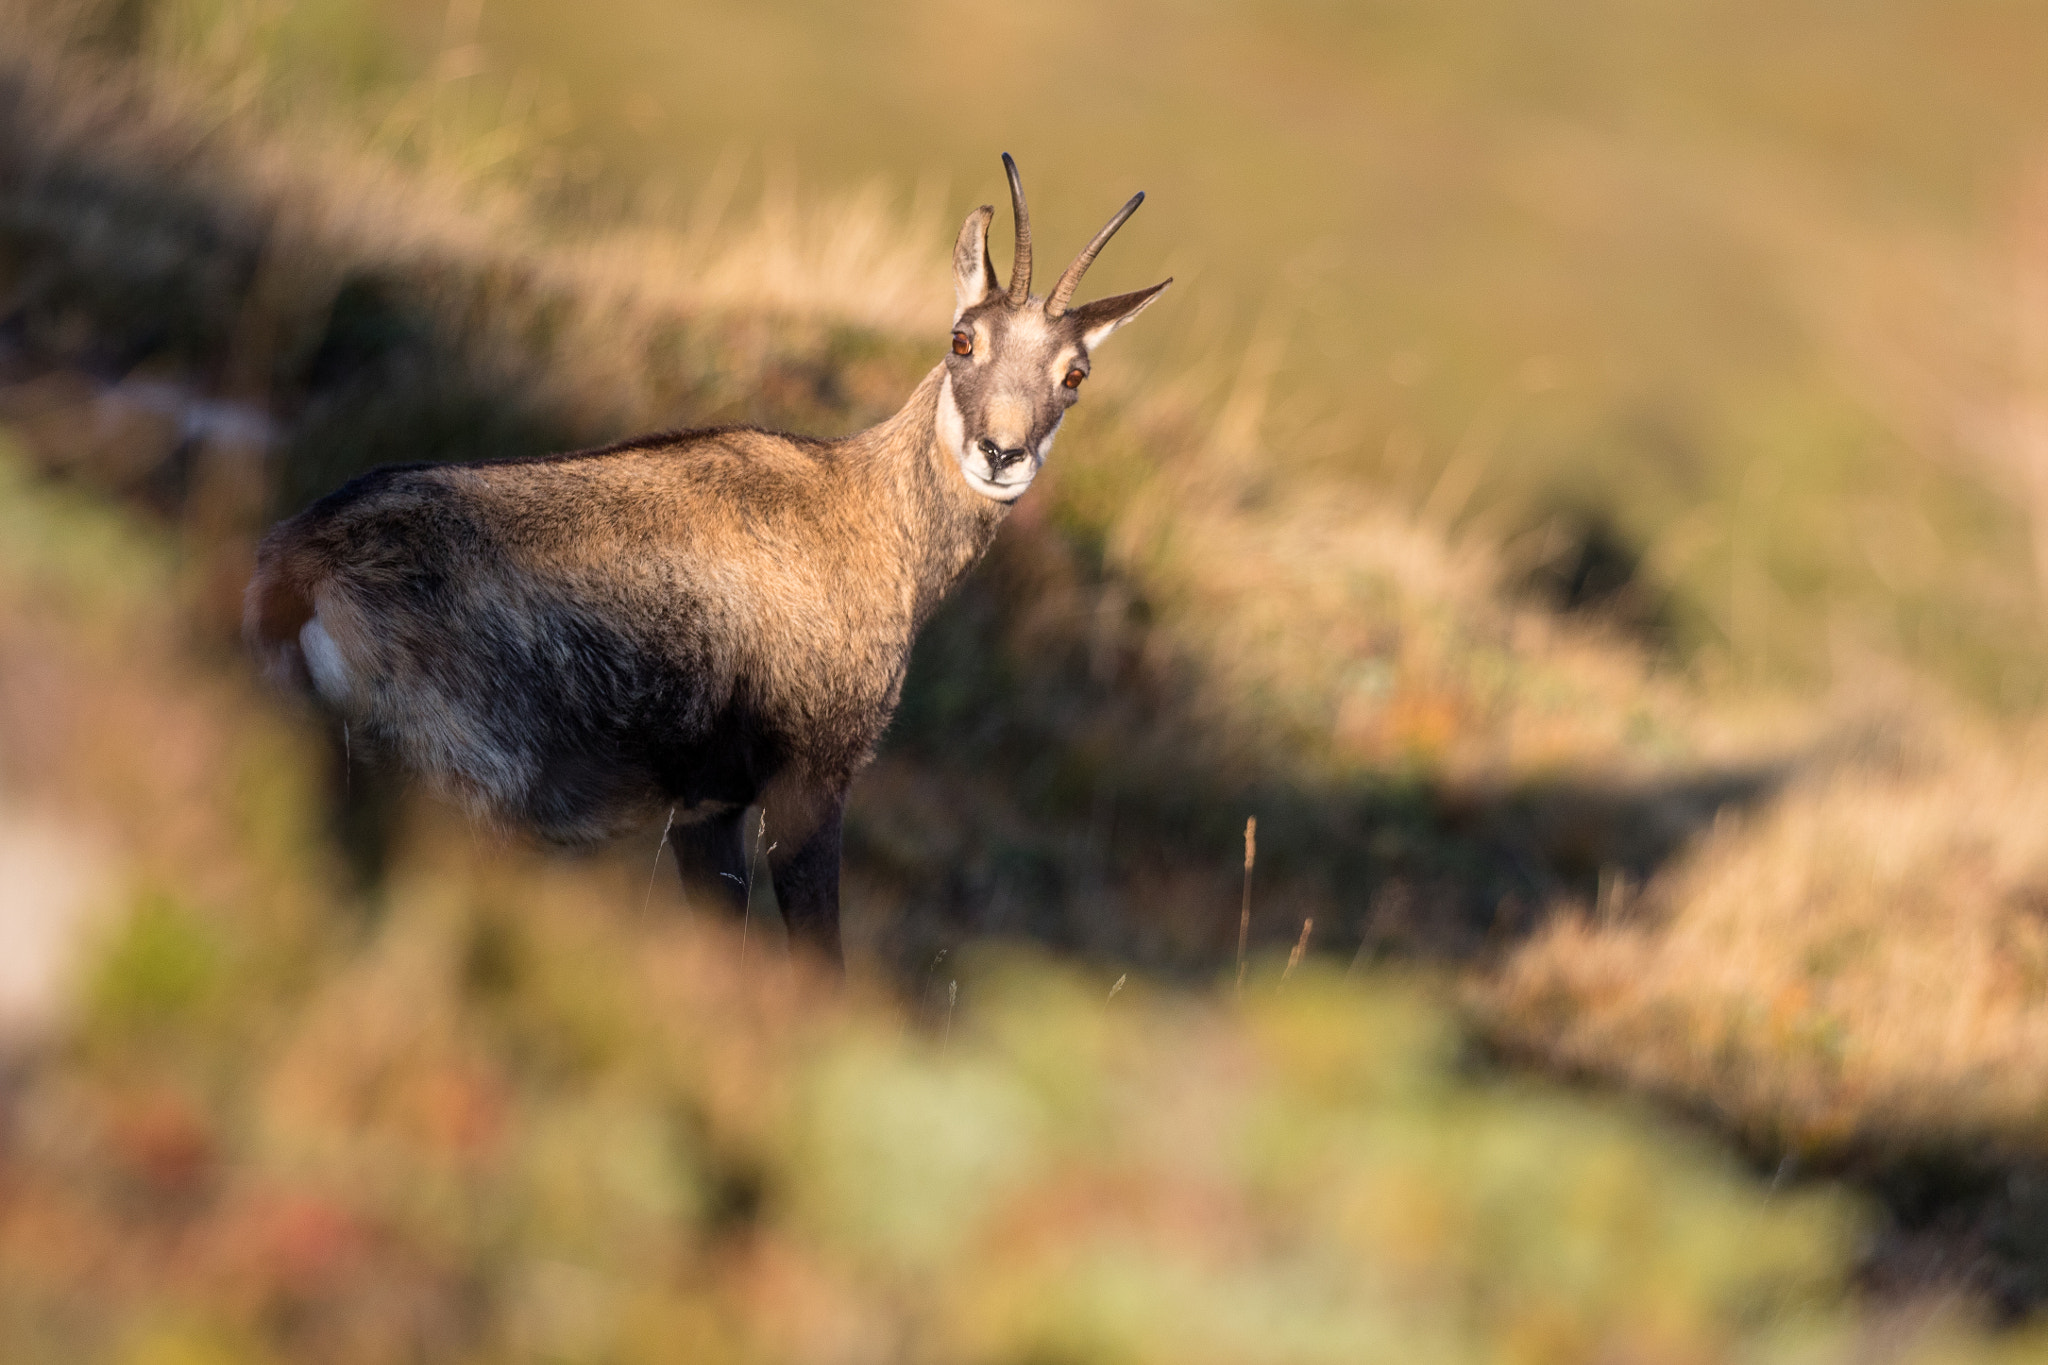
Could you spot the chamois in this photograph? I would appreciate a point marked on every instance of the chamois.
(700, 620)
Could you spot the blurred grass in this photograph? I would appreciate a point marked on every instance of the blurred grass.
(518, 1118)
(1861, 965)
(1667, 274)
(1512, 262)
(1166, 638)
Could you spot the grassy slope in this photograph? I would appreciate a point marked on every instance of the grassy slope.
(1170, 639)
(518, 1117)
(1164, 642)
(1741, 278)
(1732, 276)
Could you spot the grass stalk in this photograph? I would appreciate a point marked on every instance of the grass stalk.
(654, 871)
(1244, 913)
(753, 866)
(1300, 948)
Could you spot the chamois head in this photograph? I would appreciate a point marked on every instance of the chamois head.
(1018, 359)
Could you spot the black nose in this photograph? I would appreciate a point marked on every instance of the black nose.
(999, 460)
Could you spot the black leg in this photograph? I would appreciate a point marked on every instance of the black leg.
(711, 855)
(805, 865)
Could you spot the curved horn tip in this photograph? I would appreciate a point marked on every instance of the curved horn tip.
(1020, 269)
(1063, 292)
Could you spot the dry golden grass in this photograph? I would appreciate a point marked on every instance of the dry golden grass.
(1865, 961)
(1188, 605)
(1377, 642)
(510, 1116)
(410, 188)
(1861, 959)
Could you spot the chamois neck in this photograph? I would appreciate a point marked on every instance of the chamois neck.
(941, 525)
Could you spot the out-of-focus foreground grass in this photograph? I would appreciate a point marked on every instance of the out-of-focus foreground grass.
(516, 1116)
(459, 1100)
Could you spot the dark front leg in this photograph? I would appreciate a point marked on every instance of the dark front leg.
(804, 860)
(712, 857)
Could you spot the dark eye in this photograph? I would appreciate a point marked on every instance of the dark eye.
(963, 344)
(1074, 377)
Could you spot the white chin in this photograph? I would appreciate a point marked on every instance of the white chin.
(989, 488)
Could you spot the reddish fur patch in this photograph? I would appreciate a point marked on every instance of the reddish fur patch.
(278, 605)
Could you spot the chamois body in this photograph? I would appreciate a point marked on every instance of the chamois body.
(699, 620)
(568, 641)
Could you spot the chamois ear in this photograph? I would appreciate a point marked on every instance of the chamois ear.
(974, 275)
(1098, 319)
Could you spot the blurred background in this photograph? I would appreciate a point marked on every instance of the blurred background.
(1586, 496)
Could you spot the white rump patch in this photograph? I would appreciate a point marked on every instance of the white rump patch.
(324, 662)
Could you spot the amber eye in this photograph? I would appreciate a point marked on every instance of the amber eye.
(963, 344)
(1074, 377)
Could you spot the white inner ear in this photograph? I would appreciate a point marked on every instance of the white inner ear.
(970, 281)
(1094, 335)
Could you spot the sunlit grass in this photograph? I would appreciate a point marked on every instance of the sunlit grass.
(511, 1114)
(1864, 964)
(1648, 211)
(489, 1082)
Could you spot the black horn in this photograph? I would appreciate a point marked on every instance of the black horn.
(1020, 269)
(1071, 280)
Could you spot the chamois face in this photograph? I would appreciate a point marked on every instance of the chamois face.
(1011, 377)
(1017, 360)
